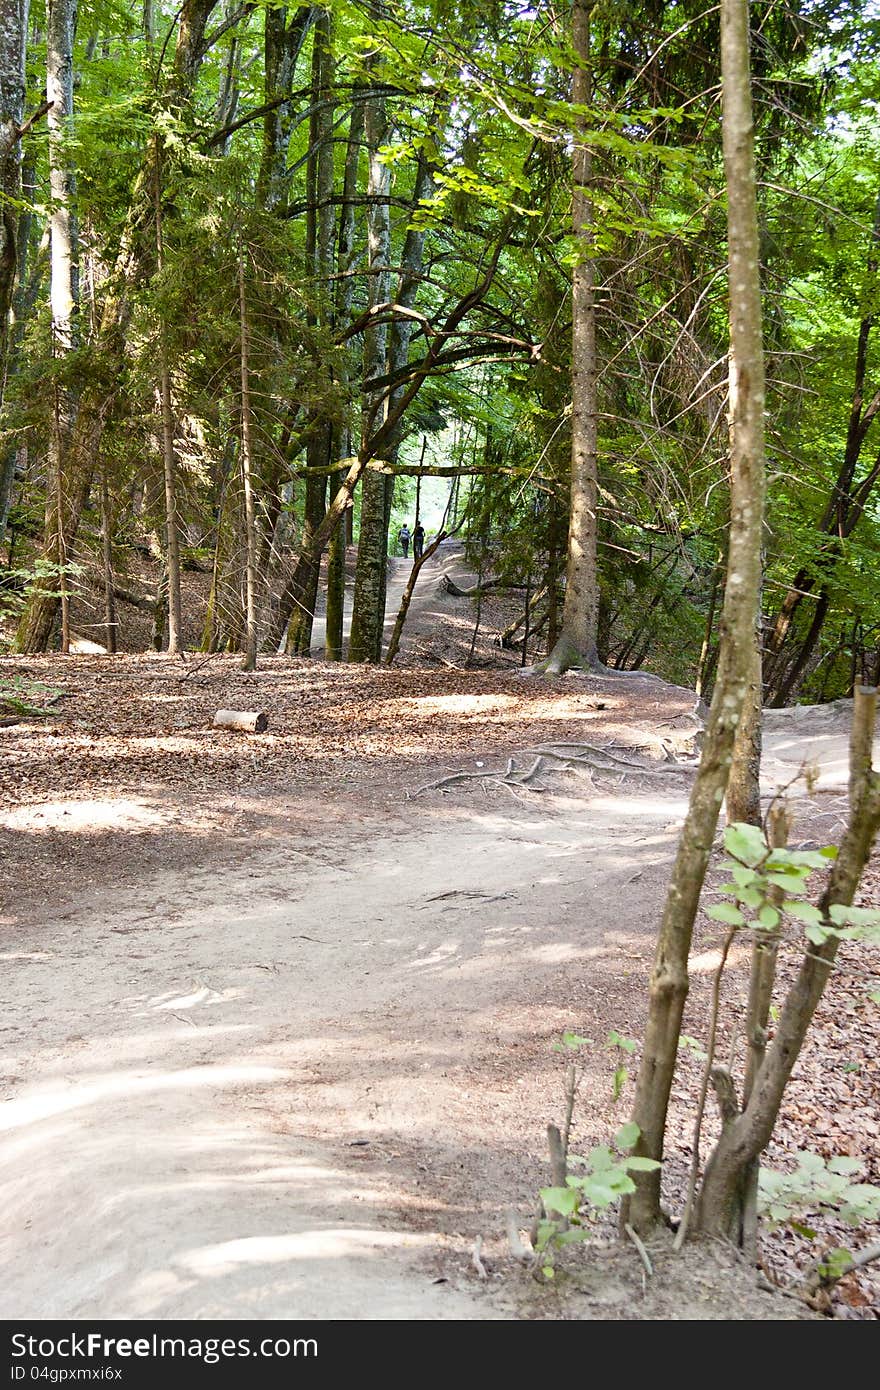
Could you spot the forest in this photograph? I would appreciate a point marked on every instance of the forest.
(582, 301)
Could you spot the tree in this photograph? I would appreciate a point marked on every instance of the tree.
(669, 978)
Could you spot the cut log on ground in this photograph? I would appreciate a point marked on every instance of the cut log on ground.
(246, 722)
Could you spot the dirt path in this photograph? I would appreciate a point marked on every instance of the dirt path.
(245, 1098)
(425, 608)
(292, 1060)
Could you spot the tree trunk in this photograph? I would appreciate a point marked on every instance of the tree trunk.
(744, 784)
(284, 37)
(250, 521)
(341, 441)
(169, 460)
(320, 228)
(64, 286)
(669, 978)
(747, 1135)
(368, 611)
(576, 643)
(13, 46)
(111, 638)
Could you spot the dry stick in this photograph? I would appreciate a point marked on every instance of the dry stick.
(682, 1231)
(640, 1246)
(864, 1257)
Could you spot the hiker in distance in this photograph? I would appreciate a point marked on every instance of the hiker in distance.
(418, 540)
(403, 537)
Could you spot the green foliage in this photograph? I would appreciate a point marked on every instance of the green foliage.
(816, 1186)
(604, 1180)
(18, 696)
(769, 886)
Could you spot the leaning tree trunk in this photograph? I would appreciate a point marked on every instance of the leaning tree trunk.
(669, 978)
(576, 643)
(843, 511)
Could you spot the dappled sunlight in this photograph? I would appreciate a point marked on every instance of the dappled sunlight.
(707, 962)
(339, 1243)
(77, 816)
(200, 994)
(44, 1102)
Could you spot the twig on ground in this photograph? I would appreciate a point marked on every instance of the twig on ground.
(640, 1246)
(476, 1260)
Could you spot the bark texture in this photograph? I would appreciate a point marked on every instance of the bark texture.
(669, 978)
(576, 643)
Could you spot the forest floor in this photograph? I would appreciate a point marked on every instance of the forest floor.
(279, 1037)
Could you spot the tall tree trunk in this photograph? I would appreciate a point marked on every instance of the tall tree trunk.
(669, 978)
(368, 610)
(320, 249)
(250, 522)
(64, 281)
(284, 36)
(576, 643)
(169, 458)
(341, 442)
(13, 44)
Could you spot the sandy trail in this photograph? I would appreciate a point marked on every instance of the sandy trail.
(194, 1071)
(301, 1090)
(446, 560)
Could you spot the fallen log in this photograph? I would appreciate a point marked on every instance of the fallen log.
(246, 722)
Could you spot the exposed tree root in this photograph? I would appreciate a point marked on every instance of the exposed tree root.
(591, 756)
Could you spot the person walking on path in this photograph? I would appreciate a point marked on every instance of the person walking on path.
(403, 537)
(418, 540)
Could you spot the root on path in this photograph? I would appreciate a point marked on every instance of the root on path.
(594, 757)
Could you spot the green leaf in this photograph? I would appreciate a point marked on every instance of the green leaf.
(835, 1264)
(803, 912)
(620, 1077)
(726, 912)
(641, 1165)
(601, 1159)
(842, 1163)
(564, 1200)
(627, 1135)
(768, 917)
(751, 897)
(745, 842)
(575, 1040)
